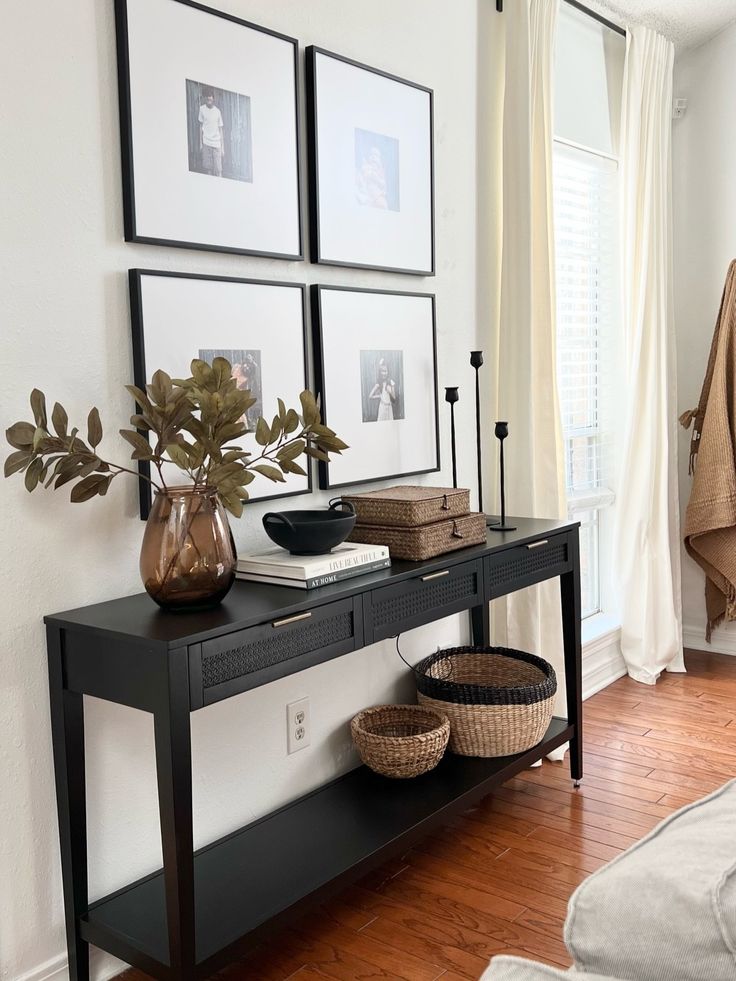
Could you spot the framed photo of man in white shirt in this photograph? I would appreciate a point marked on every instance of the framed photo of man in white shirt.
(210, 133)
(219, 140)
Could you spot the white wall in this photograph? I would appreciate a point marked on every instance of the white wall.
(704, 203)
(65, 328)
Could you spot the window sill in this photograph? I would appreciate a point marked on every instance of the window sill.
(602, 660)
(600, 629)
(590, 500)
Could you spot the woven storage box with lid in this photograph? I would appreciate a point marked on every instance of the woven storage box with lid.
(407, 507)
(499, 701)
(424, 541)
(400, 740)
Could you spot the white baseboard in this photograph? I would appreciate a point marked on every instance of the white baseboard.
(603, 662)
(54, 970)
(723, 640)
(103, 967)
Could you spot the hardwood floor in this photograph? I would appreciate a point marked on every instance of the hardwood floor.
(500, 878)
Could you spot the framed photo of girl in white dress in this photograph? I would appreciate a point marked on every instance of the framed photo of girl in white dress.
(376, 372)
(382, 385)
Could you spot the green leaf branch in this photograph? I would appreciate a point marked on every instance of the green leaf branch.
(195, 424)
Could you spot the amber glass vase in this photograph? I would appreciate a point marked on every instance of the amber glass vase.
(188, 555)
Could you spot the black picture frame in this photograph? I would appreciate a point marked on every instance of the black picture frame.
(135, 277)
(130, 223)
(322, 389)
(313, 170)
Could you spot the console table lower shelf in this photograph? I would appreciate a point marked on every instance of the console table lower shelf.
(260, 875)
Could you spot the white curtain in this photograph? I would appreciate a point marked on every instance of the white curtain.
(646, 537)
(526, 380)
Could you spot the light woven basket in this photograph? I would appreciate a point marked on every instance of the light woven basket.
(407, 506)
(424, 541)
(499, 701)
(400, 740)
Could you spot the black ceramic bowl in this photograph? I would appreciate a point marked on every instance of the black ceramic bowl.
(311, 532)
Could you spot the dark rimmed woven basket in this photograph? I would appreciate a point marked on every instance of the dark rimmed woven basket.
(499, 701)
(400, 740)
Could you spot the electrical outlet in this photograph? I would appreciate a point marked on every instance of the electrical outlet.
(298, 725)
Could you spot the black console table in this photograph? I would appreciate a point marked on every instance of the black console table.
(191, 917)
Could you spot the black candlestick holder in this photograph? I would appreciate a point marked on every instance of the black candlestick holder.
(476, 360)
(502, 431)
(452, 396)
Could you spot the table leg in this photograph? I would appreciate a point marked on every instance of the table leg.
(571, 612)
(174, 773)
(480, 625)
(67, 735)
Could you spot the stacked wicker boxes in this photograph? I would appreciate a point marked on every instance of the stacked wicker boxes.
(417, 522)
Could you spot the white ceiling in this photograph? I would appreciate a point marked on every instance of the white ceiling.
(686, 22)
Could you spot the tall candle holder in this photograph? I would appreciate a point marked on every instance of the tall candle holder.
(502, 431)
(452, 396)
(476, 360)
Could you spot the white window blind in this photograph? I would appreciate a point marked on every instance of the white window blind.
(589, 67)
(586, 223)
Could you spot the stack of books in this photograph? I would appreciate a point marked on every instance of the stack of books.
(309, 571)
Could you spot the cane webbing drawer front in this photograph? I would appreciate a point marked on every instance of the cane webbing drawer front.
(525, 565)
(411, 603)
(255, 656)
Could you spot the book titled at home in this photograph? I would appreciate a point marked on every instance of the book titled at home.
(310, 571)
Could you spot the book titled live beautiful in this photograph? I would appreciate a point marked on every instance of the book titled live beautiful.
(310, 571)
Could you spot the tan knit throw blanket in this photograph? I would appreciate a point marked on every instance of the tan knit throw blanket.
(710, 520)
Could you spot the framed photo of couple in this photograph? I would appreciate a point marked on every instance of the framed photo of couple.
(209, 130)
(376, 372)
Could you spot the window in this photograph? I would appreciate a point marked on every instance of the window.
(587, 103)
(585, 245)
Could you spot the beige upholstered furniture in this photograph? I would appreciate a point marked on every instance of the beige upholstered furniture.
(665, 910)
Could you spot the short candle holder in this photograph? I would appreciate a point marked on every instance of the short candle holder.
(502, 431)
(452, 396)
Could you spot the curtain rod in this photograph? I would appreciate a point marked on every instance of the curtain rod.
(601, 20)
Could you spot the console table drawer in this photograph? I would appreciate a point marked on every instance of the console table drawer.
(393, 609)
(258, 655)
(525, 565)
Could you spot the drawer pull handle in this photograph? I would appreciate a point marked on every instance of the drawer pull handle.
(436, 575)
(294, 619)
(544, 541)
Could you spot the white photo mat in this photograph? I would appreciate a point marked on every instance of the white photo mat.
(372, 167)
(178, 317)
(355, 331)
(171, 44)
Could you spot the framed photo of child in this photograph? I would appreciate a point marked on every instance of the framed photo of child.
(376, 373)
(209, 130)
(371, 166)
